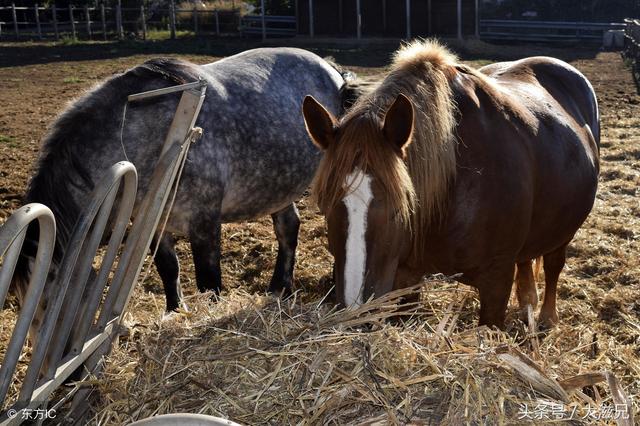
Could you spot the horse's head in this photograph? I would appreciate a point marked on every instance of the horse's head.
(365, 192)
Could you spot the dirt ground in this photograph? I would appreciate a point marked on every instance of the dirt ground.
(599, 291)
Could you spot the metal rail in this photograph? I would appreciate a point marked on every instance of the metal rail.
(12, 235)
(520, 30)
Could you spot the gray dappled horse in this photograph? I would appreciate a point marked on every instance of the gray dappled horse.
(255, 157)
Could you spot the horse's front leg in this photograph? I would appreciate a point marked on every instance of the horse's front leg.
(204, 236)
(168, 268)
(286, 223)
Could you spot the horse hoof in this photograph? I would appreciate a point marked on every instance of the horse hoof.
(547, 320)
(169, 316)
(283, 292)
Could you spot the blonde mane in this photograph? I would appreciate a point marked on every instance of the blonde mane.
(416, 188)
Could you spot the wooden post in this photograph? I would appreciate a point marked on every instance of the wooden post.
(340, 16)
(144, 22)
(54, 14)
(358, 20)
(15, 20)
(459, 19)
(264, 23)
(195, 20)
(73, 22)
(119, 28)
(88, 18)
(384, 15)
(408, 10)
(172, 19)
(429, 17)
(311, 18)
(39, 29)
(217, 22)
(477, 19)
(104, 22)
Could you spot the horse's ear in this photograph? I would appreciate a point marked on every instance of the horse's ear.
(398, 123)
(320, 123)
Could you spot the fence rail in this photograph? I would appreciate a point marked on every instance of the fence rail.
(268, 25)
(632, 47)
(20, 22)
(494, 29)
(109, 22)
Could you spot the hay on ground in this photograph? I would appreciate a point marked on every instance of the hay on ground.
(257, 359)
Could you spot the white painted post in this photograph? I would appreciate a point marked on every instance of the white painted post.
(264, 22)
(35, 8)
(408, 10)
(172, 19)
(359, 20)
(144, 22)
(87, 16)
(15, 20)
(104, 22)
(54, 14)
(195, 20)
(311, 18)
(460, 20)
(119, 28)
(73, 22)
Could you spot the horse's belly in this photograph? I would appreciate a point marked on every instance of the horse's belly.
(557, 225)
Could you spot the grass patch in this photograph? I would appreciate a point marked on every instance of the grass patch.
(73, 80)
(9, 141)
(69, 41)
(156, 35)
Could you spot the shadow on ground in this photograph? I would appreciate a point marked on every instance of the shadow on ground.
(349, 52)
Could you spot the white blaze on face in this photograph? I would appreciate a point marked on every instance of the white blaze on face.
(357, 204)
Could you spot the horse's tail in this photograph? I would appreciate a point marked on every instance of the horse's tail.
(352, 88)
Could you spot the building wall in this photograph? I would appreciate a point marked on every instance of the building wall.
(338, 18)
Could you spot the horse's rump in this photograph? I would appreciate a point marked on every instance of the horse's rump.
(65, 171)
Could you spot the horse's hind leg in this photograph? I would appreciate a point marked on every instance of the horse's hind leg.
(286, 223)
(553, 264)
(205, 246)
(168, 268)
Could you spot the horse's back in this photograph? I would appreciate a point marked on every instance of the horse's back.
(562, 82)
(531, 129)
(255, 145)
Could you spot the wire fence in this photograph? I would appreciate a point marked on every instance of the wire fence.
(39, 22)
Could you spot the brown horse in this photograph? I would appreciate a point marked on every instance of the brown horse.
(444, 168)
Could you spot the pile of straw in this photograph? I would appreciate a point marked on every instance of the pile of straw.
(256, 359)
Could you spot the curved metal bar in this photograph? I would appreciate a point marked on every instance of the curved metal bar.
(12, 235)
(105, 198)
(86, 315)
(45, 333)
(11, 257)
